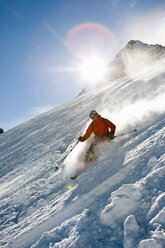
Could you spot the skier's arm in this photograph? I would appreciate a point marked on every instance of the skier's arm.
(87, 134)
(110, 125)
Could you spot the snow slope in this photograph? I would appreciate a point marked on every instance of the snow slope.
(118, 201)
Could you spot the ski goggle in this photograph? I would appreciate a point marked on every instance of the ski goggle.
(93, 114)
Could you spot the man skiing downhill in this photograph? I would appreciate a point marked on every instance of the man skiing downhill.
(100, 127)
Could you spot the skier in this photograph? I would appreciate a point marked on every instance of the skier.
(100, 127)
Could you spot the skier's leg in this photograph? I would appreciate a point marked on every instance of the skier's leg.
(91, 154)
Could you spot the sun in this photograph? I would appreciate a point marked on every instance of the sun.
(93, 69)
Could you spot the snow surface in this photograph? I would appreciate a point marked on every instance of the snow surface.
(118, 201)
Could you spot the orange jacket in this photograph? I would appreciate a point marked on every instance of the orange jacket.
(100, 128)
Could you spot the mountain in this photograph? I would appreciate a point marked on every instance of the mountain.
(118, 201)
(134, 58)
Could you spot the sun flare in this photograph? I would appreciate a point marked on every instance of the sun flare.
(93, 69)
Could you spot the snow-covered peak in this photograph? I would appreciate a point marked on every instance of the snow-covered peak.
(134, 58)
(137, 44)
(155, 52)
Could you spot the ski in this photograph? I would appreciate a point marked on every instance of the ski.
(74, 177)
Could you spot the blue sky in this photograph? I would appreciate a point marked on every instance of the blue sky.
(36, 65)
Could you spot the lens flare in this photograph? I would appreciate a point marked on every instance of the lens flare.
(90, 38)
(70, 187)
(92, 45)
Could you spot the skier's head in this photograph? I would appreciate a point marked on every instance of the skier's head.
(92, 114)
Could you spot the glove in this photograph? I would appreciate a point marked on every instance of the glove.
(82, 139)
(111, 135)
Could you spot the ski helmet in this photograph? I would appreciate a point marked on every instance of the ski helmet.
(93, 113)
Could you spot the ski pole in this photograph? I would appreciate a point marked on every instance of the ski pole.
(126, 133)
(57, 166)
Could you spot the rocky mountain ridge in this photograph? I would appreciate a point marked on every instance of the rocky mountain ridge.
(134, 57)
